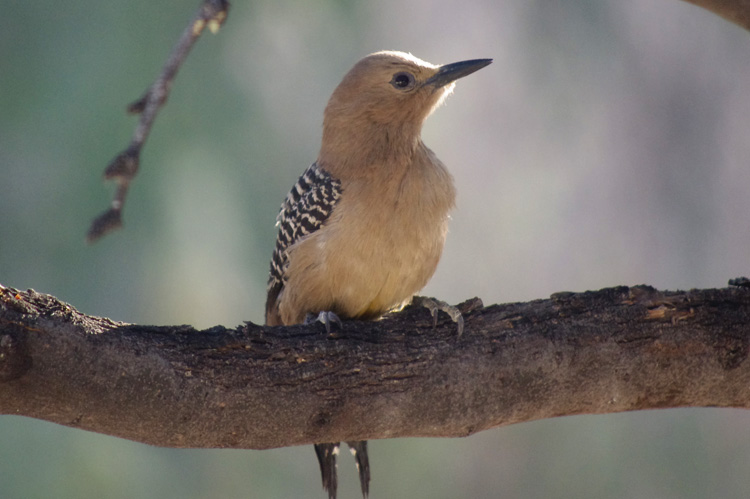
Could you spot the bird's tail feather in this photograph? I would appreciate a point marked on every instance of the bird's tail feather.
(359, 451)
(327, 458)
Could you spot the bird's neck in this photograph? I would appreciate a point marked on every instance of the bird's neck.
(358, 151)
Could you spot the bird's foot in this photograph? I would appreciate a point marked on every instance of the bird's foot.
(740, 282)
(326, 317)
(434, 306)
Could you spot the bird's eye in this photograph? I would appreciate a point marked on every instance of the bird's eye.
(403, 80)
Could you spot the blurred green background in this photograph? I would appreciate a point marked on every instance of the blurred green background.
(608, 144)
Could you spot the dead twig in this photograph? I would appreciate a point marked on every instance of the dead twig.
(123, 168)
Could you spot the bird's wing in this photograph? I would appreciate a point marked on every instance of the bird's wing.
(305, 209)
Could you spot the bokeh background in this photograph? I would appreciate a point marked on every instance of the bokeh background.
(607, 144)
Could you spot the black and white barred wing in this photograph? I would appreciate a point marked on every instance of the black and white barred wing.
(305, 209)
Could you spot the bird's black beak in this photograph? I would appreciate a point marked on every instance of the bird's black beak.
(456, 70)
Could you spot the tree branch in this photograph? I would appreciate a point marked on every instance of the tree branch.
(613, 350)
(123, 168)
(735, 11)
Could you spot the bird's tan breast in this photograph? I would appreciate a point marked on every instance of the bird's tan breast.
(380, 246)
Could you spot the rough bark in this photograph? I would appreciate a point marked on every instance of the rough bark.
(618, 349)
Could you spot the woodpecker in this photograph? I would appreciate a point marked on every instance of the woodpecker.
(363, 229)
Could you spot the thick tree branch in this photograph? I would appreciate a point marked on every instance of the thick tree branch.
(617, 349)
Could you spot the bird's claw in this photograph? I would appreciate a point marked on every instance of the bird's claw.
(326, 317)
(434, 306)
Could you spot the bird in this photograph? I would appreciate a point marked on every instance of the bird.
(363, 229)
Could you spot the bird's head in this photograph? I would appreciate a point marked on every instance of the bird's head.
(394, 88)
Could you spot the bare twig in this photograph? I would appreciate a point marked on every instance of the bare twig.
(211, 14)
